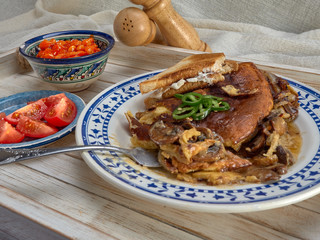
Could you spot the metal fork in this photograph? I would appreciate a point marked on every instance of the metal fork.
(139, 155)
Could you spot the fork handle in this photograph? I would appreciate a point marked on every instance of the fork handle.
(17, 155)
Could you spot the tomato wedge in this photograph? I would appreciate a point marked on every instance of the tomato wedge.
(34, 128)
(8, 134)
(53, 99)
(61, 113)
(35, 111)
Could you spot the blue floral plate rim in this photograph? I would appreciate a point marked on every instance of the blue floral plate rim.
(103, 122)
(11, 103)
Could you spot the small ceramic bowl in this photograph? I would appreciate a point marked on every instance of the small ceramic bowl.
(69, 74)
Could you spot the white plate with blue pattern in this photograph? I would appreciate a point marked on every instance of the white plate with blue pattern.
(103, 122)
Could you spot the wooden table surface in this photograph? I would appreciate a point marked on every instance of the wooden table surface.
(61, 197)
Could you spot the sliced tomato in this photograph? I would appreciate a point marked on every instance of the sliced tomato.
(8, 133)
(53, 99)
(34, 128)
(50, 99)
(61, 113)
(35, 111)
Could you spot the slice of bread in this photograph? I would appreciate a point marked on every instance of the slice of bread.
(190, 67)
(190, 86)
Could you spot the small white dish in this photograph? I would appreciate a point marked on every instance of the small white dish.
(103, 122)
(11, 103)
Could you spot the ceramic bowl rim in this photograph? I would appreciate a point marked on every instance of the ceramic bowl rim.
(76, 60)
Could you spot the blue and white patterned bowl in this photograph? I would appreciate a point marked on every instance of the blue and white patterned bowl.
(70, 74)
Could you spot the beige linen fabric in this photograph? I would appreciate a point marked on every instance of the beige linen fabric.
(283, 32)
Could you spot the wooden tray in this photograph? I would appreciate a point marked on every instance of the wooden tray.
(62, 194)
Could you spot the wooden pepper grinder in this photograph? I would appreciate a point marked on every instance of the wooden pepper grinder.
(135, 27)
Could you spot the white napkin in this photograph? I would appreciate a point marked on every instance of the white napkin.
(280, 32)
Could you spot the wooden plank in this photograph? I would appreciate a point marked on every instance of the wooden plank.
(79, 206)
(50, 218)
(88, 179)
(206, 224)
(312, 204)
(292, 220)
(156, 57)
(15, 226)
(63, 187)
(8, 66)
(130, 61)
